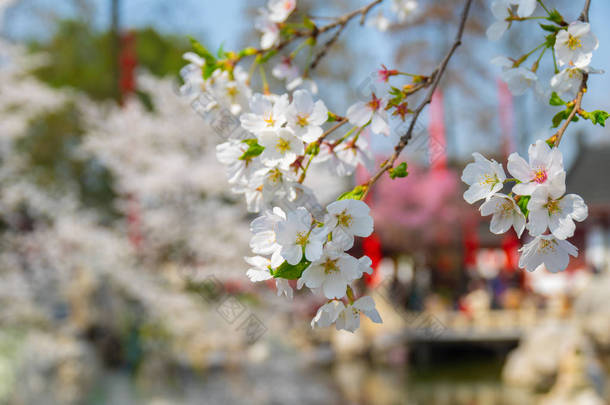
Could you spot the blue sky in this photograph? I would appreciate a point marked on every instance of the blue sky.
(216, 22)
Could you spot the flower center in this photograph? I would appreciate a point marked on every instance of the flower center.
(301, 238)
(302, 120)
(344, 219)
(487, 179)
(552, 206)
(282, 145)
(507, 208)
(375, 103)
(574, 42)
(232, 91)
(275, 175)
(287, 5)
(269, 120)
(330, 266)
(540, 176)
(547, 246)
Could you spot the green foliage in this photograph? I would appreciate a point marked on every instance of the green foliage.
(254, 149)
(49, 148)
(83, 58)
(550, 28)
(356, 194)
(399, 171)
(562, 115)
(313, 149)
(549, 40)
(556, 100)
(522, 203)
(289, 271)
(556, 17)
(210, 61)
(598, 117)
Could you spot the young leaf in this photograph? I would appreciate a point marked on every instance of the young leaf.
(356, 194)
(556, 100)
(522, 203)
(399, 171)
(254, 149)
(599, 117)
(290, 271)
(560, 116)
(549, 27)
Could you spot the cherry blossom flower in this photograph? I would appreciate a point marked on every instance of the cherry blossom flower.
(305, 116)
(348, 218)
(269, 29)
(364, 266)
(260, 271)
(342, 160)
(545, 164)
(280, 9)
(230, 154)
(505, 212)
(286, 70)
(281, 147)
(519, 79)
(333, 271)
(525, 7)
(295, 236)
(349, 318)
(361, 113)
(549, 251)
(379, 21)
(405, 10)
(574, 47)
(548, 209)
(567, 82)
(263, 240)
(265, 113)
(484, 177)
(327, 314)
(233, 92)
(500, 10)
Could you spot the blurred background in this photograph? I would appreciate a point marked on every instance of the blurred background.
(121, 246)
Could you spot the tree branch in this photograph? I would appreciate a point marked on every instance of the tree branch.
(433, 82)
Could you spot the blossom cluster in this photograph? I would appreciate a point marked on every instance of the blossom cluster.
(572, 46)
(537, 202)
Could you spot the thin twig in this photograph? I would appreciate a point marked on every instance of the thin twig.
(556, 138)
(432, 82)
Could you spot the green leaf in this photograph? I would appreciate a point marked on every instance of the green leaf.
(221, 51)
(356, 194)
(208, 70)
(550, 28)
(308, 23)
(290, 271)
(522, 203)
(268, 56)
(560, 116)
(549, 40)
(202, 51)
(555, 16)
(399, 171)
(556, 100)
(599, 117)
(312, 149)
(254, 149)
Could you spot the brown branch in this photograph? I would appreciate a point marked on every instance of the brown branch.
(556, 138)
(432, 82)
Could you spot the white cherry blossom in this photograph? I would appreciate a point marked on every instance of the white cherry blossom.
(279, 10)
(260, 271)
(485, 178)
(574, 47)
(295, 236)
(269, 29)
(348, 218)
(239, 170)
(286, 70)
(500, 11)
(405, 10)
(332, 272)
(305, 116)
(364, 266)
(549, 251)
(349, 318)
(519, 79)
(544, 167)
(361, 113)
(525, 8)
(342, 160)
(263, 240)
(549, 209)
(506, 214)
(379, 21)
(327, 314)
(281, 147)
(265, 113)
(567, 82)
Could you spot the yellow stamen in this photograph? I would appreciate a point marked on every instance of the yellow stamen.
(573, 42)
(282, 145)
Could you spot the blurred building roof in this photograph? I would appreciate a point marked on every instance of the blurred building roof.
(588, 176)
